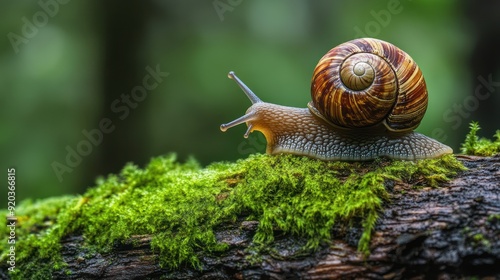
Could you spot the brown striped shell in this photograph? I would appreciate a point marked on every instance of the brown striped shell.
(367, 81)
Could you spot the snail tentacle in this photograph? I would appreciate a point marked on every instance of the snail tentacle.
(249, 93)
(243, 119)
(250, 115)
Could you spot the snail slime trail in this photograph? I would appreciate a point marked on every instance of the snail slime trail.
(367, 97)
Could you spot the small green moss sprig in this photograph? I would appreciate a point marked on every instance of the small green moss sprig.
(181, 205)
(476, 146)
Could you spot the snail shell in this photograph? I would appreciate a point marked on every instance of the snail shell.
(365, 82)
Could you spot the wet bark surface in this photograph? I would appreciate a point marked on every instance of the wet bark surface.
(450, 232)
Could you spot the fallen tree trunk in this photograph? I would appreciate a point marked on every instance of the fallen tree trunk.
(448, 232)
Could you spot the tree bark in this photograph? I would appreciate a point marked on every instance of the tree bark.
(448, 232)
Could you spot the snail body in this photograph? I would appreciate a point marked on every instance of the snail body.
(367, 98)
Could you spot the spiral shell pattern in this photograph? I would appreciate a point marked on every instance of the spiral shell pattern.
(367, 81)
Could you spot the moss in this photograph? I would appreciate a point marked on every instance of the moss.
(474, 145)
(476, 238)
(494, 218)
(37, 237)
(181, 205)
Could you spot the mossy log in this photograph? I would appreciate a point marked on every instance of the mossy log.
(446, 232)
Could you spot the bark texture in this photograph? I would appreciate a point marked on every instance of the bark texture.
(451, 232)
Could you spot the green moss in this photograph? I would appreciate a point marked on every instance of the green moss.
(181, 205)
(37, 237)
(494, 218)
(474, 145)
(476, 238)
(480, 239)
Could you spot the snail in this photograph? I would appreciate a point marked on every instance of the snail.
(367, 98)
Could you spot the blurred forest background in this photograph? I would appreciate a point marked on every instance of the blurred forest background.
(69, 69)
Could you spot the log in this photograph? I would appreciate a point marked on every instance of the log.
(448, 232)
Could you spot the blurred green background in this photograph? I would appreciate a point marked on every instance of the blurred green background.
(65, 66)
